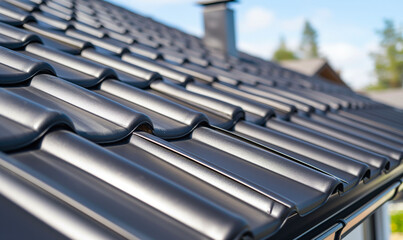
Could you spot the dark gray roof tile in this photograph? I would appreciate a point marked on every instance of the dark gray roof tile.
(254, 111)
(16, 67)
(361, 126)
(60, 7)
(220, 114)
(28, 6)
(145, 51)
(13, 216)
(262, 170)
(146, 186)
(299, 105)
(93, 116)
(285, 93)
(56, 39)
(170, 120)
(89, 20)
(69, 67)
(278, 106)
(203, 76)
(123, 214)
(221, 175)
(56, 12)
(108, 44)
(320, 158)
(349, 137)
(369, 134)
(59, 214)
(126, 72)
(153, 66)
(12, 15)
(208, 180)
(381, 163)
(13, 38)
(121, 37)
(97, 32)
(49, 20)
(22, 121)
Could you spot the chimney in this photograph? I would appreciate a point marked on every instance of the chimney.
(219, 27)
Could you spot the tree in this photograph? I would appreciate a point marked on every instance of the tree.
(283, 53)
(309, 45)
(389, 59)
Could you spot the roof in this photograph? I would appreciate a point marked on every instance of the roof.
(114, 126)
(392, 97)
(314, 67)
(305, 66)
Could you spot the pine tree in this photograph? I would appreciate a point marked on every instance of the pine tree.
(389, 60)
(309, 45)
(283, 53)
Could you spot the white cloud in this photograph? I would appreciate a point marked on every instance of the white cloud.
(321, 15)
(256, 18)
(261, 49)
(353, 61)
(293, 24)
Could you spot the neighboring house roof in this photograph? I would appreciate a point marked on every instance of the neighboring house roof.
(392, 97)
(114, 126)
(319, 67)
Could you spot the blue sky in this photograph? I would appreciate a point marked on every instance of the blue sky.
(346, 29)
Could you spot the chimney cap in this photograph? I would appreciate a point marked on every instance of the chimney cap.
(214, 2)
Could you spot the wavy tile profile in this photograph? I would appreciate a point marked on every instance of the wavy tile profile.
(115, 126)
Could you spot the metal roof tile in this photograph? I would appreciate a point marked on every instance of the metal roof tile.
(13, 38)
(233, 178)
(40, 201)
(349, 137)
(254, 111)
(16, 67)
(72, 68)
(93, 116)
(381, 163)
(166, 72)
(170, 120)
(262, 170)
(219, 113)
(13, 15)
(146, 186)
(126, 72)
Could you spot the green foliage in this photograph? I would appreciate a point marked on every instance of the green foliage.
(389, 60)
(376, 87)
(396, 221)
(283, 53)
(309, 44)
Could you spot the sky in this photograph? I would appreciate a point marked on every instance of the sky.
(347, 29)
